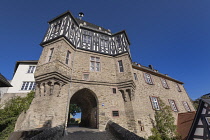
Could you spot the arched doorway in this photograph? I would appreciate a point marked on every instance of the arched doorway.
(87, 101)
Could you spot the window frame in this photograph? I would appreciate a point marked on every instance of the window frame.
(50, 54)
(31, 69)
(178, 88)
(186, 106)
(95, 62)
(135, 76)
(28, 86)
(172, 107)
(165, 85)
(68, 55)
(120, 66)
(145, 78)
(83, 76)
(153, 105)
(115, 111)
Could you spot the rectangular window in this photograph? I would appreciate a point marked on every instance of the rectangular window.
(120, 64)
(186, 106)
(114, 90)
(67, 57)
(148, 78)
(164, 83)
(178, 88)
(95, 64)
(155, 103)
(115, 113)
(31, 69)
(86, 39)
(86, 76)
(135, 76)
(51, 53)
(28, 85)
(173, 105)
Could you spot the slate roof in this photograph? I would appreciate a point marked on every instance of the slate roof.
(92, 26)
(4, 82)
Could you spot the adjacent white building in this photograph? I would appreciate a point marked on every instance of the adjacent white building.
(23, 79)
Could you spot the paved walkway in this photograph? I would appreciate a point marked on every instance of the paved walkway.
(82, 133)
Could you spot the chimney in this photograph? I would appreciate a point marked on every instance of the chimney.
(151, 67)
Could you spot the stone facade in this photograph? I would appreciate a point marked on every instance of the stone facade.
(108, 93)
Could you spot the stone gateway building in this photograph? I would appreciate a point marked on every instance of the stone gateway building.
(87, 65)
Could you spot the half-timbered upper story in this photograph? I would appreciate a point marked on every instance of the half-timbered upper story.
(86, 36)
(200, 129)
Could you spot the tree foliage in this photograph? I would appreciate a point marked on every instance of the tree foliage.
(163, 125)
(74, 108)
(196, 101)
(9, 114)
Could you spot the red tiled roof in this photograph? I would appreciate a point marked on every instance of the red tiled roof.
(184, 123)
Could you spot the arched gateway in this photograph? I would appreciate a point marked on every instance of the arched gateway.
(87, 101)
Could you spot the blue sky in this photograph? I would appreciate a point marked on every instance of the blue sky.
(172, 35)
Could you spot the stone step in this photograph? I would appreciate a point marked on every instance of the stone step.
(78, 133)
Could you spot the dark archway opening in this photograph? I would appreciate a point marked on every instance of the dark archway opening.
(86, 100)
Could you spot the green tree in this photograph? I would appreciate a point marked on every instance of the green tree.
(9, 114)
(163, 125)
(74, 108)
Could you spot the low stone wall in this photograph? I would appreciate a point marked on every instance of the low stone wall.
(121, 133)
(55, 133)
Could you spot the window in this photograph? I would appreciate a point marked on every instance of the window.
(155, 103)
(164, 83)
(95, 63)
(115, 113)
(86, 76)
(135, 76)
(28, 86)
(173, 105)
(87, 39)
(120, 66)
(178, 88)
(114, 90)
(67, 57)
(51, 53)
(186, 106)
(31, 69)
(148, 78)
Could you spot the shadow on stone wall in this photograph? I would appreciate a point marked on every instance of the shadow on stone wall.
(44, 133)
(121, 133)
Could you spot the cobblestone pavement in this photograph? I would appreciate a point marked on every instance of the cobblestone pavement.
(82, 133)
